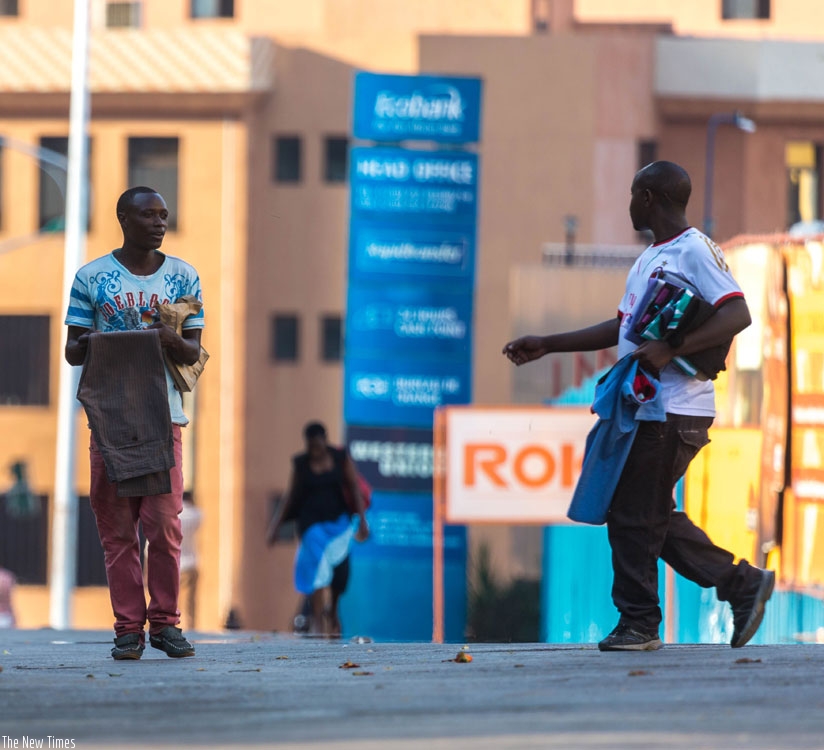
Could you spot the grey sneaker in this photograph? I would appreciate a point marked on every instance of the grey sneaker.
(171, 640)
(627, 638)
(129, 646)
(748, 612)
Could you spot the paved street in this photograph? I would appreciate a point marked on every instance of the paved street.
(247, 689)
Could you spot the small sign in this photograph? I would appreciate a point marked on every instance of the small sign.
(422, 108)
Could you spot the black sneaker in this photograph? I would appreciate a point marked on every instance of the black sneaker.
(129, 646)
(171, 640)
(627, 638)
(748, 612)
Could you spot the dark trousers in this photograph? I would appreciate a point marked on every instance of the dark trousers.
(643, 524)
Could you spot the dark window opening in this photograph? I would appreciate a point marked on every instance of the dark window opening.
(24, 538)
(123, 15)
(1, 183)
(153, 162)
(287, 159)
(24, 360)
(91, 567)
(745, 9)
(52, 187)
(331, 338)
(9, 8)
(285, 332)
(213, 8)
(336, 159)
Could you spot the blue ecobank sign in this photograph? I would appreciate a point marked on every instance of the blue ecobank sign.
(400, 392)
(414, 253)
(409, 321)
(409, 313)
(390, 184)
(422, 108)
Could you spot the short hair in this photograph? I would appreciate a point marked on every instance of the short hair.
(314, 429)
(126, 200)
(667, 178)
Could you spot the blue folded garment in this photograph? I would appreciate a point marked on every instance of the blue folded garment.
(625, 396)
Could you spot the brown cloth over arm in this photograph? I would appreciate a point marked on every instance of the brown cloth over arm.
(123, 390)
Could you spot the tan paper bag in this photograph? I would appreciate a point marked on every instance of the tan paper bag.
(173, 315)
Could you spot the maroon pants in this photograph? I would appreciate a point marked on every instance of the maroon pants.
(117, 525)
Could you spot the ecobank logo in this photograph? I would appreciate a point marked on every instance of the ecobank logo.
(436, 103)
(434, 108)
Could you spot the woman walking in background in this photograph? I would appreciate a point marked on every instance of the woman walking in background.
(316, 497)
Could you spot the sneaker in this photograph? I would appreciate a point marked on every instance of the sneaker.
(171, 640)
(129, 646)
(627, 638)
(748, 613)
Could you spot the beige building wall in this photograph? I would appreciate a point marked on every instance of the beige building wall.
(790, 19)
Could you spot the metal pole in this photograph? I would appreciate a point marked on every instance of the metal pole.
(712, 126)
(64, 518)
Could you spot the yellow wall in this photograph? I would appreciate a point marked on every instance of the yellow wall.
(722, 486)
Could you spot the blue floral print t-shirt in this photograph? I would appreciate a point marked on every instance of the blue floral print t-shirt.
(106, 297)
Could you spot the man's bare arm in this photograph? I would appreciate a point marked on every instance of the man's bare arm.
(529, 348)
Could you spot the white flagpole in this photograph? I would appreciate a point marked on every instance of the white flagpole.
(64, 516)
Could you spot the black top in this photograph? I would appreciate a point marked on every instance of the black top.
(318, 496)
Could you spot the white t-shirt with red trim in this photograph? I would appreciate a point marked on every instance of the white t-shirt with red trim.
(696, 258)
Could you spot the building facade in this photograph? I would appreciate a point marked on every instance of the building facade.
(239, 112)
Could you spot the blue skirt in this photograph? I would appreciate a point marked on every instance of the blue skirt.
(323, 546)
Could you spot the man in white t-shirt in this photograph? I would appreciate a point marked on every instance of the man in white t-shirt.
(119, 292)
(643, 523)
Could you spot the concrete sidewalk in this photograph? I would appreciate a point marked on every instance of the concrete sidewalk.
(247, 689)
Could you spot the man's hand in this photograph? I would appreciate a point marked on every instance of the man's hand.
(168, 335)
(525, 349)
(77, 344)
(184, 349)
(654, 356)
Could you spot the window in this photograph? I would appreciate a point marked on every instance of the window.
(52, 187)
(1, 183)
(91, 567)
(153, 162)
(805, 182)
(285, 331)
(647, 152)
(123, 15)
(24, 540)
(52, 200)
(8, 8)
(286, 153)
(331, 338)
(213, 8)
(336, 159)
(24, 360)
(745, 9)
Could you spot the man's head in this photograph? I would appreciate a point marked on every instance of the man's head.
(143, 217)
(315, 435)
(661, 189)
